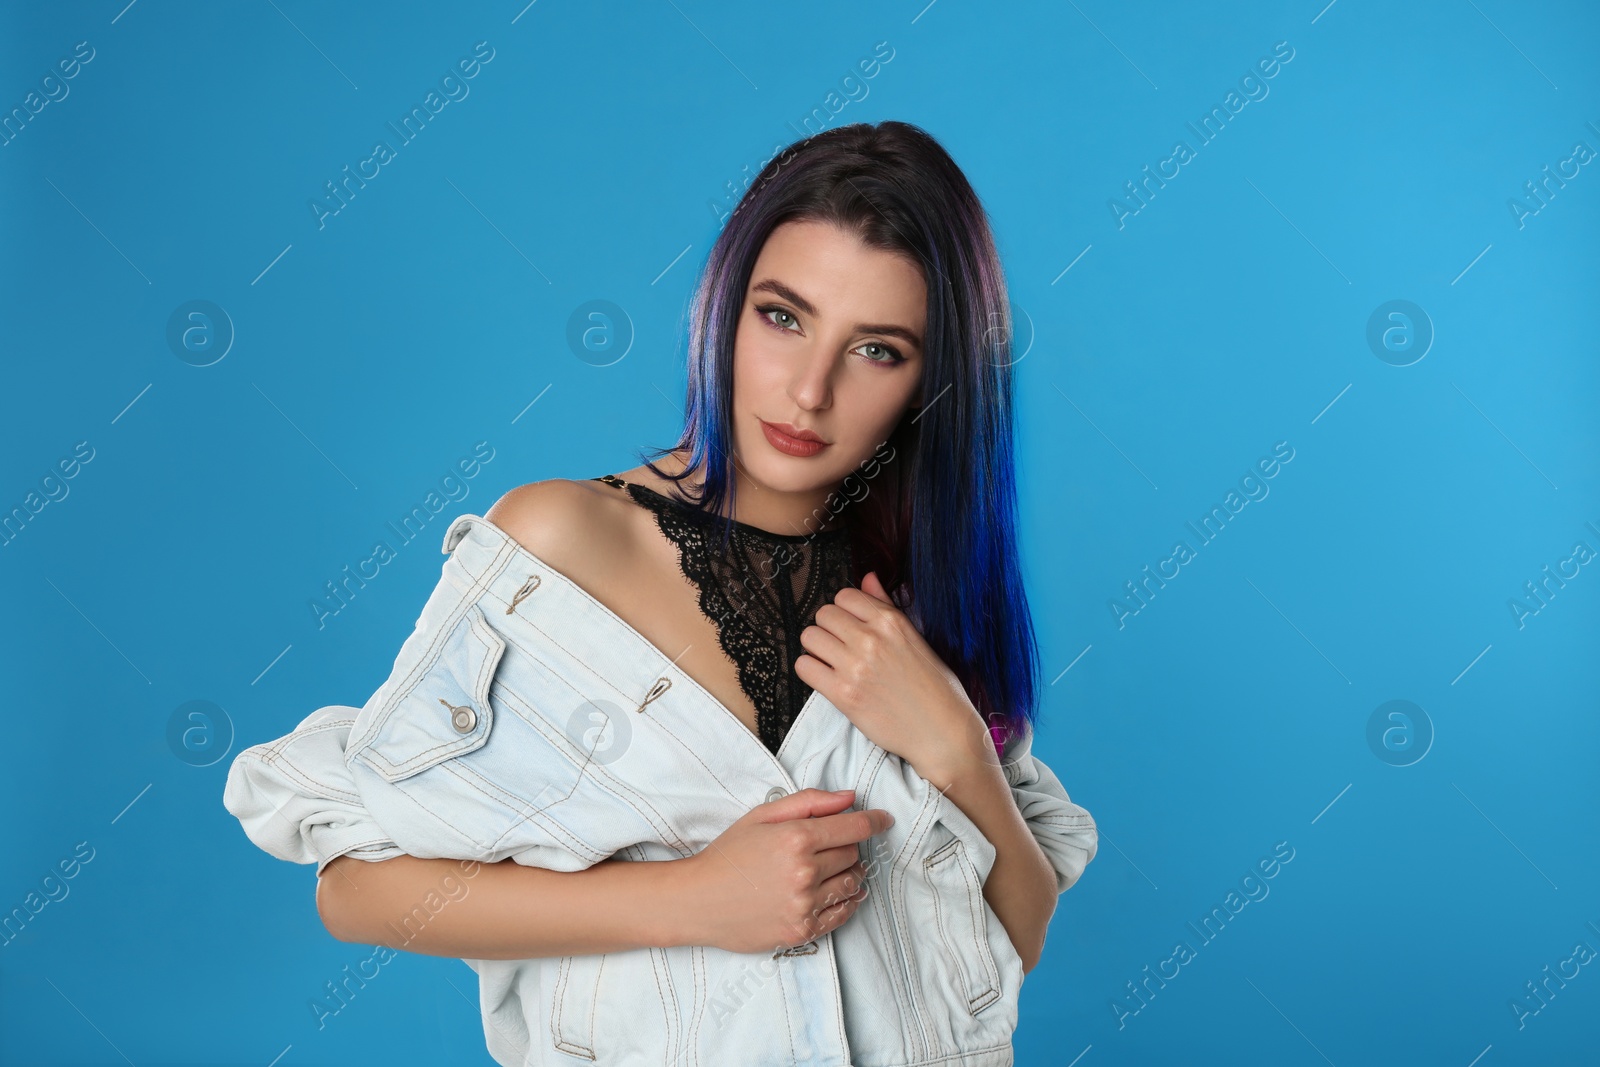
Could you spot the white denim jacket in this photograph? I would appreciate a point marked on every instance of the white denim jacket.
(490, 739)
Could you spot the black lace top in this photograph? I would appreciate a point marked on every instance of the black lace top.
(761, 593)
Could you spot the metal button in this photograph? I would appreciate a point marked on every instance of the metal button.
(463, 718)
(775, 792)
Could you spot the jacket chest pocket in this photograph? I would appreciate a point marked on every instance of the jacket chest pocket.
(442, 710)
(958, 914)
(572, 1004)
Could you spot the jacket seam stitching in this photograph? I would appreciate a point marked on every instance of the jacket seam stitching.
(501, 797)
(914, 839)
(701, 987)
(884, 914)
(662, 995)
(515, 703)
(885, 905)
(788, 1025)
(295, 772)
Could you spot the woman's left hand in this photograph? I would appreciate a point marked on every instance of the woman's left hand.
(868, 659)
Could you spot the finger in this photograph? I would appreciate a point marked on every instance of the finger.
(848, 827)
(852, 605)
(872, 585)
(811, 671)
(847, 885)
(840, 621)
(803, 804)
(824, 645)
(831, 911)
(830, 861)
(835, 908)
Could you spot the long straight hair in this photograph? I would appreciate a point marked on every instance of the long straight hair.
(936, 514)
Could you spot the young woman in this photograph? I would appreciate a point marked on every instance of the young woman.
(828, 560)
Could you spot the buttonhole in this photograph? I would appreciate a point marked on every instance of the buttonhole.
(522, 594)
(661, 686)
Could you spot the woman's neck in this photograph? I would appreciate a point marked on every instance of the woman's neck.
(756, 505)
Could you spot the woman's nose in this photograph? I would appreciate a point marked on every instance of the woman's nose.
(812, 385)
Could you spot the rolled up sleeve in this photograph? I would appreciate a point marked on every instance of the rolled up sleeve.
(1065, 831)
(296, 799)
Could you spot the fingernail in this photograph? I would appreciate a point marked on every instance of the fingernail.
(843, 792)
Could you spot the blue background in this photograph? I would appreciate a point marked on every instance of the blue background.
(592, 159)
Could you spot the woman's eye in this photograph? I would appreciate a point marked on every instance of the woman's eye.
(889, 354)
(764, 312)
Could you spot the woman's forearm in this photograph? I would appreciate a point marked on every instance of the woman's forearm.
(496, 911)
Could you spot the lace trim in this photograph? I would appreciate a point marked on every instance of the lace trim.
(760, 596)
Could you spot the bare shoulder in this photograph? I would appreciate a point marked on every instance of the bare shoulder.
(565, 522)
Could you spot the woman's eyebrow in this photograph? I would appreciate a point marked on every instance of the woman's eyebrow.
(772, 285)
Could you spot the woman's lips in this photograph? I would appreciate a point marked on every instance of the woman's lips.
(791, 446)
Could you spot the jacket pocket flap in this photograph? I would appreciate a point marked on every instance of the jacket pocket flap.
(444, 711)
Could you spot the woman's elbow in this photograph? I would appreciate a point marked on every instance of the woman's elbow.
(1032, 951)
(332, 906)
(1030, 956)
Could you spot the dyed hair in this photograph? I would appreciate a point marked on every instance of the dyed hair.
(936, 517)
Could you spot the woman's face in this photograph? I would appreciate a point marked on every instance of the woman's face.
(829, 340)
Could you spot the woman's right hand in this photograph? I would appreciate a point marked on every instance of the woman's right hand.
(787, 872)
